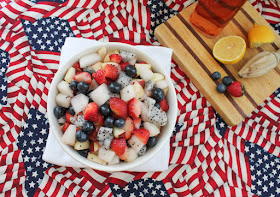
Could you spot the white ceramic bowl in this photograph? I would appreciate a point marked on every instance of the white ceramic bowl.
(165, 133)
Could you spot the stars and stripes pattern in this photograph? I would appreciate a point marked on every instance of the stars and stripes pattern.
(207, 158)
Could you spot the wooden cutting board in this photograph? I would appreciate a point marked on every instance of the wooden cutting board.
(192, 51)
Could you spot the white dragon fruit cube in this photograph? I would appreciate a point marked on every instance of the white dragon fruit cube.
(156, 116)
(79, 102)
(135, 143)
(127, 93)
(100, 95)
(63, 87)
(63, 100)
(106, 155)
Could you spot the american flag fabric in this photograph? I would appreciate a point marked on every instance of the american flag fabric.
(207, 157)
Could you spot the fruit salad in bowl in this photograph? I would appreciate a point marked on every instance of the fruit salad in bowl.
(112, 107)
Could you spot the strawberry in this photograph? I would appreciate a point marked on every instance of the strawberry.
(128, 127)
(68, 117)
(91, 112)
(142, 63)
(77, 67)
(93, 135)
(111, 71)
(115, 58)
(100, 120)
(99, 76)
(164, 105)
(142, 134)
(236, 89)
(123, 65)
(83, 76)
(137, 123)
(119, 107)
(134, 108)
(118, 145)
(65, 126)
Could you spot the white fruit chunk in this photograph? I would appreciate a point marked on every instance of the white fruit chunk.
(94, 158)
(127, 93)
(118, 132)
(69, 74)
(63, 87)
(153, 129)
(95, 147)
(132, 61)
(132, 155)
(96, 66)
(161, 84)
(106, 155)
(115, 160)
(102, 52)
(89, 59)
(81, 145)
(158, 77)
(103, 65)
(139, 91)
(144, 112)
(107, 58)
(138, 66)
(63, 100)
(135, 143)
(69, 135)
(79, 102)
(145, 73)
(100, 95)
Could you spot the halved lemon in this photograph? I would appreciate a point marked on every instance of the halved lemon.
(230, 49)
(260, 34)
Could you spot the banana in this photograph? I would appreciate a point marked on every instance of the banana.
(260, 64)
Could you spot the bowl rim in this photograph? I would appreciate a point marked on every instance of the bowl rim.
(124, 165)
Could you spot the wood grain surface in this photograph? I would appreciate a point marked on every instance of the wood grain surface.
(192, 51)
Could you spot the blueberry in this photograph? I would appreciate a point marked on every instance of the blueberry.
(130, 70)
(88, 127)
(157, 105)
(152, 142)
(83, 153)
(81, 136)
(158, 94)
(227, 80)
(71, 110)
(73, 85)
(216, 75)
(114, 87)
(59, 111)
(119, 123)
(83, 87)
(105, 110)
(109, 122)
(221, 88)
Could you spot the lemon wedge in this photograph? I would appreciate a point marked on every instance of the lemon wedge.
(260, 34)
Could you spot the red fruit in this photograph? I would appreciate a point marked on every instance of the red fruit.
(119, 107)
(91, 112)
(137, 123)
(93, 135)
(118, 145)
(68, 117)
(100, 121)
(140, 81)
(142, 134)
(77, 67)
(65, 126)
(111, 71)
(134, 108)
(128, 127)
(99, 76)
(236, 89)
(83, 76)
(123, 65)
(142, 63)
(164, 105)
(115, 58)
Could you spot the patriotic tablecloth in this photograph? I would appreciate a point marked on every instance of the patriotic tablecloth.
(207, 158)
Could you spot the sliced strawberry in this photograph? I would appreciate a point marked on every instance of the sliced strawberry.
(111, 71)
(119, 107)
(65, 126)
(93, 135)
(91, 112)
(83, 76)
(141, 62)
(137, 123)
(116, 58)
(134, 108)
(77, 67)
(128, 127)
(123, 65)
(99, 76)
(100, 121)
(142, 134)
(118, 145)
(124, 156)
(68, 117)
(164, 105)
